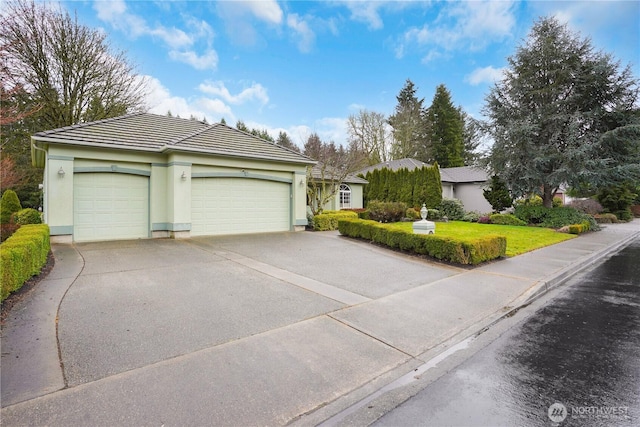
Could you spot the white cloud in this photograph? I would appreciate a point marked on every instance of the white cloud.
(116, 14)
(304, 32)
(256, 92)
(266, 10)
(159, 101)
(461, 25)
(208, 60)
(485, 75)
(366, 11)
(179, 42)
(239, 18)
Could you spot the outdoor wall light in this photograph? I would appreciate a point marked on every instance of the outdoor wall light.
(301, 182)
(184, 176)
(61, 172)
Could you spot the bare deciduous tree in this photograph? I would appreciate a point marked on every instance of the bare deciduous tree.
(68, 69)
(334, 164)
(371, 134)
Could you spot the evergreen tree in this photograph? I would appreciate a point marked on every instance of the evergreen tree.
(284, 141)
(408, 123)
(548, 115)
(498, 195)
(446, 127)
(433, 186)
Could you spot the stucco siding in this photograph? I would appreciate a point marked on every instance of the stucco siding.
(472, 197)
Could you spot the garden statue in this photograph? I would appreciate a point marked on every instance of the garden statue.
(423, 226)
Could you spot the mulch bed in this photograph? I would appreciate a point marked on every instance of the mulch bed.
(25, 290)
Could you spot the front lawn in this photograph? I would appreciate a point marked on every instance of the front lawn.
(519, 239)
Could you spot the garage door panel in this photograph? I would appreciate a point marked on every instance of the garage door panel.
(110, 206)
(236, 206)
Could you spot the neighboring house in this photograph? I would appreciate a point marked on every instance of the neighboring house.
(349, 194)
(463, 183)
(466, 184)
(145, 175)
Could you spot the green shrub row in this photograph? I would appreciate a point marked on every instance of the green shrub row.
(552, 217)
(443, 248)
(506, 219)
(328, 220)
(22, 256)
(413, 187)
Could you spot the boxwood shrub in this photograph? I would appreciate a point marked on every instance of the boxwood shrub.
(443, 248)
(328, 220)
(22, 256)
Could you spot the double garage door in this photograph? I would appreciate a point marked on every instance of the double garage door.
(111, 206)
(239, 205)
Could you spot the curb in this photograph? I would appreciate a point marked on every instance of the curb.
(542, 287)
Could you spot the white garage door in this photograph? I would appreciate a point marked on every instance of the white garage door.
(109, 206)
(237, 206)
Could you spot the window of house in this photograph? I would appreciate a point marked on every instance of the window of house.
(345, 196)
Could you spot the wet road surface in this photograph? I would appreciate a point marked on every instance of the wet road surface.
(574, 362)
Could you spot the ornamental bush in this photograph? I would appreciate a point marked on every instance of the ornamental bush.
(471, 217)
(9, 204)
(588, 206)
(27, 216)
(606, 218)
(386, 211)
(453, 209)
(328, 220)
(443, 248)
(506, 219)
(412, 213)
(433, 214)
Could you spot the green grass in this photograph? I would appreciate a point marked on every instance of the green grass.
(519, 239)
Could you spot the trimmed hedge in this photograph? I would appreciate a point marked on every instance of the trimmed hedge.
(443, 248)
(506, 219)
(328, 220)
(22, 256)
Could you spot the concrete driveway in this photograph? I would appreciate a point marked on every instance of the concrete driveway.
(243, 330)
(137, 303)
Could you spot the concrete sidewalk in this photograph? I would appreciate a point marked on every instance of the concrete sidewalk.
(317, 347)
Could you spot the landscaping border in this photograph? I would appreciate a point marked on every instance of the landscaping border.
(465, 252)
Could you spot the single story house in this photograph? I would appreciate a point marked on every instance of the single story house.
(463, 183)
(145, 175)
(467, 184)
(349, 194)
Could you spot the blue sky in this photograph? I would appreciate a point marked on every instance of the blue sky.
(303, 67)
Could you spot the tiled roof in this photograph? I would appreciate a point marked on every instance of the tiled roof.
(316, 174)
(151, 132)
(463, 174)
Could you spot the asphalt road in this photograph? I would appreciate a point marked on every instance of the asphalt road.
(573, 361)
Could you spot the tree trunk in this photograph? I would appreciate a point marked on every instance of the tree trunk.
(547, 196)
